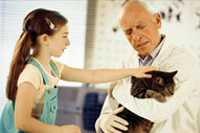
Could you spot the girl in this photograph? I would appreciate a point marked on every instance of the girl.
(33, 74)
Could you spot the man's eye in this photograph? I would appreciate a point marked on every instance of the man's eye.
(140, 27)
(129, 32)
(64, 36)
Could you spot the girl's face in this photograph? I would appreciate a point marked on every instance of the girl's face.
(59, 41)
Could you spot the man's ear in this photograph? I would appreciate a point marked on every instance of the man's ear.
(157, 19)
(44, 39)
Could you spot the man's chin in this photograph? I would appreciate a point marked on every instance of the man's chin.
(142, 54)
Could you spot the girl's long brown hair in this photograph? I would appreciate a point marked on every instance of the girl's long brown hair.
(38, 22)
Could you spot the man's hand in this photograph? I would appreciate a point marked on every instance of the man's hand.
(111, 123)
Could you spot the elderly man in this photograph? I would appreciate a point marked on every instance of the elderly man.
(179, 114)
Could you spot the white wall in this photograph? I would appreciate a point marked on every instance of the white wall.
(12, 14)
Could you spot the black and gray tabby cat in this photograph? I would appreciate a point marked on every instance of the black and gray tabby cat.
(159, 86)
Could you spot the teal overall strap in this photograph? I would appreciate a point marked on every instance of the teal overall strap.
(49, 112)
(37, 64)
(54, 69)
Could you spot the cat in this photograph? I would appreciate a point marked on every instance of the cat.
(159, 86)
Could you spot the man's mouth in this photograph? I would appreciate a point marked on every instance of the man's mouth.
(140, 45)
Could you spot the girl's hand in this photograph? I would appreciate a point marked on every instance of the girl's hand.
(70, 129)
(141, 72)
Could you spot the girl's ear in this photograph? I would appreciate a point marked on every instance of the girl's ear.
(43, 39)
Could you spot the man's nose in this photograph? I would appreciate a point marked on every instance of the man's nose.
(135, 35)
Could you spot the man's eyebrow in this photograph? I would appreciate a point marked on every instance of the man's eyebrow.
(136, 24)
(141, 22)
(127, 29)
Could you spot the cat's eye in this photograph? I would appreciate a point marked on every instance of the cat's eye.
(159, 80)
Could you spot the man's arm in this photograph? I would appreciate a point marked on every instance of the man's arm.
(187, 82)
(109, 106)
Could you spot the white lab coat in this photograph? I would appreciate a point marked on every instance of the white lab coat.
(181, 112)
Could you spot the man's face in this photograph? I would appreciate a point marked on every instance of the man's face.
(141, 28)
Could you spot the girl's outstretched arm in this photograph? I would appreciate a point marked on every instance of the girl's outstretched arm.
(102, 75)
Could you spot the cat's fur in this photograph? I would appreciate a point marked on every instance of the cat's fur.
(159, 86)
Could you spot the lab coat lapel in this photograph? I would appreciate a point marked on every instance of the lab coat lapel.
(165, 52)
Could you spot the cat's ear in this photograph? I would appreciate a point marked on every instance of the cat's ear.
(172, 74)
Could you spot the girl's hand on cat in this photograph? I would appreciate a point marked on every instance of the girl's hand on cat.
(70, 129)
(141, 72)
(111, 123)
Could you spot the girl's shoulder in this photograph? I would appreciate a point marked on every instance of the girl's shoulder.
(32, 75)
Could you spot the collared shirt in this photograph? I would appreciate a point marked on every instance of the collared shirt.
(148, 60)
(181, 112)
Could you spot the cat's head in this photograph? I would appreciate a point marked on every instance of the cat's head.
(161, 81)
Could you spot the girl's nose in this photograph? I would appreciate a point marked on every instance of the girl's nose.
(67, 43)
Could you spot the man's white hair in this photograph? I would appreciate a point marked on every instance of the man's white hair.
(150, 5)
